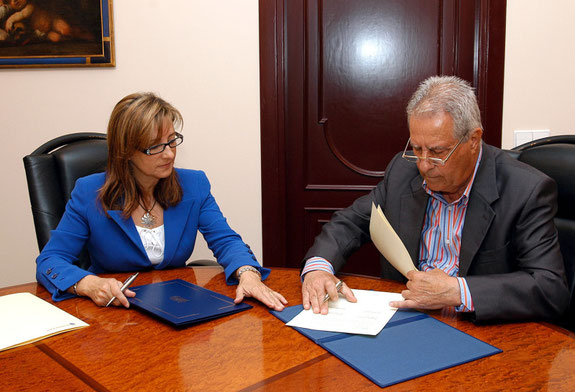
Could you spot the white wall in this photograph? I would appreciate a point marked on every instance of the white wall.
(200, 55)
(203, 57)
(539, 71)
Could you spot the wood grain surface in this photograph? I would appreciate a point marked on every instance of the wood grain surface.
(125, 350)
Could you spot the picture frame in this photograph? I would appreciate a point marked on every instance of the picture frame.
(56, 33)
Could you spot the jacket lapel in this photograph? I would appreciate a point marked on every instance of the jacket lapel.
(127, 225)
(412, 213)
(479, 213)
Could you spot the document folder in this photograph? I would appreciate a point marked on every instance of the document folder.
(181, 303)
(412, 344)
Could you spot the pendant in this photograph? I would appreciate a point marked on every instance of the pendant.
(148, 220)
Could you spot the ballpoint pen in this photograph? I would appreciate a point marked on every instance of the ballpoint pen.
(124, 287)
(337, 287)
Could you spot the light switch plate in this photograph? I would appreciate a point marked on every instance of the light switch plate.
(540, 134)
(522, 137)
(526, 136)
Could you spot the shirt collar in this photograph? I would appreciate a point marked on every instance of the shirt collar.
(465, 196)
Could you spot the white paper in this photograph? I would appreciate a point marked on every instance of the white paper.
(27, 318)
(367, 316)
(388, 242)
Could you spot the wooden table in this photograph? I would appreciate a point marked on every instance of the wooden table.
(125, 350)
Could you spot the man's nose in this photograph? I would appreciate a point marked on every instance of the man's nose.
(424, 163)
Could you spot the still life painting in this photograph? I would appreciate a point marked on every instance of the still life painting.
(55, 33)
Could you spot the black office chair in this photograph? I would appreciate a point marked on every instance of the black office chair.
(52, 170)
(555, 156)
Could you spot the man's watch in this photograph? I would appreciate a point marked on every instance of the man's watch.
(247, 268)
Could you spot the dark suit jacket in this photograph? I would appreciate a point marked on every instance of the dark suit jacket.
(114, 244)
(509, 249)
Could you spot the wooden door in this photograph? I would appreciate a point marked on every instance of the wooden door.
(336, 76)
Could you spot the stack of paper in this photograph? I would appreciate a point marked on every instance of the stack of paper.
(27, 319)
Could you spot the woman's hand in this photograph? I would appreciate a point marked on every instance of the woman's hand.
(101, 290)
(251, 285)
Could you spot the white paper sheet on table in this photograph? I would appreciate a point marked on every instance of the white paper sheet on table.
(367, 316)
(26, 318)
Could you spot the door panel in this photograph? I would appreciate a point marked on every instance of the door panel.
(336, 76)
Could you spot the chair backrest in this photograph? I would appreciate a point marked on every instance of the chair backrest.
(555, 156)
(52, 170)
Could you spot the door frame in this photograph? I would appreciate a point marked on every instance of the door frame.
(488, 79)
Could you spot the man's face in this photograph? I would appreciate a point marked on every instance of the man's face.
(432, 136)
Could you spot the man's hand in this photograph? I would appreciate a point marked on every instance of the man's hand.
(316, 284)
(429, 290)
(251, 285)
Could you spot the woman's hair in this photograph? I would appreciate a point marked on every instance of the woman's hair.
(136, 123)
(448, 94)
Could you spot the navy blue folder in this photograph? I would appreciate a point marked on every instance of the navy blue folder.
(181, 303)
(412, 344)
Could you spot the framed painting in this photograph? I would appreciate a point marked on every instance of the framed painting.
(56, 33)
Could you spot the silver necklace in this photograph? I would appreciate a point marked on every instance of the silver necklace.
(148, 220)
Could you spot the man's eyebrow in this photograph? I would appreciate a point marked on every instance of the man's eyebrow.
(438, 148)
(432, 148)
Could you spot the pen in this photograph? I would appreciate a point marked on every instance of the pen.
(124, 286)
(337, 287)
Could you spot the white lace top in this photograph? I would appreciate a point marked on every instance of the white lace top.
(154, 242)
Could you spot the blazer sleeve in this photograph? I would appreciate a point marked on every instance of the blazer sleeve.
(348, 229)
(227, 245)
(537, 287)
(55, 268)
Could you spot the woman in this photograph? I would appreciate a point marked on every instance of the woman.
(143, 213)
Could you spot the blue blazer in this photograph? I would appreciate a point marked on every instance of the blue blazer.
(114, 244)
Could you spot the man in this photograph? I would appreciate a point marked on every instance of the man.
(477, 223)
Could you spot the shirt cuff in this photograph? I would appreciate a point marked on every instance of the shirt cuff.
(317, 264)
(465, 296)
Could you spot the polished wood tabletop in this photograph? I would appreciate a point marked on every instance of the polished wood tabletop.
(126, 350)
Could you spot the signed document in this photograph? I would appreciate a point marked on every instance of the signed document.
(367, 316)
(388, 242)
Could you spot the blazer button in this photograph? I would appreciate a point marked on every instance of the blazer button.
(55, 276)
(48, 271)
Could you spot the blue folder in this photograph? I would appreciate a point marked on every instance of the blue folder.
(181, 303)
(412, 344)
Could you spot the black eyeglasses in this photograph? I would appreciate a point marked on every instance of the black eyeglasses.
(159, 148)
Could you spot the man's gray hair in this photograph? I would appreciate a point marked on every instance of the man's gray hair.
(448, 94)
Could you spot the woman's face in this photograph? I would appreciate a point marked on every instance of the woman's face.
(149, 169)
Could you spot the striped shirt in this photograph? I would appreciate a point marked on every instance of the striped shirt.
(317, 263)
(440, 239)
(440, 244)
